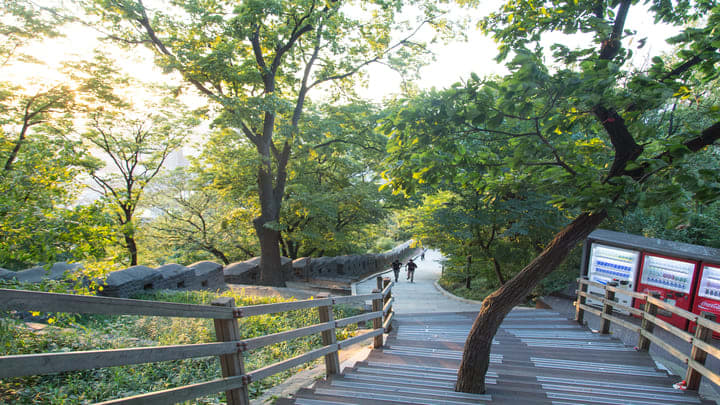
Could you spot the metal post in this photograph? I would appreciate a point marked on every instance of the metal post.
(377, 322)
(332, 360)
(692, 377)
(579, 312)
(607, 308)
(646, 325)
(227, 330)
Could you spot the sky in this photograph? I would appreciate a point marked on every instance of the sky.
(454, 61)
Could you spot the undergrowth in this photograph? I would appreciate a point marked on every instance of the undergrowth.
(95, 332)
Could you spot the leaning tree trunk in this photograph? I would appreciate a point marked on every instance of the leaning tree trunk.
(476, 357)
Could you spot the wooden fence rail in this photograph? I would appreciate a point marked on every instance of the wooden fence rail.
(700, 348)
(229, 348)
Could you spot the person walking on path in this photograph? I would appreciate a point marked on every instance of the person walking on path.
(423, 295)
(396, 265)
(411, 266)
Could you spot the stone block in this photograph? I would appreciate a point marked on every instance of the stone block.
(207, 275)
(174, 276)
(6, 274)
(300, 269)
(247, 272)
(123, 283)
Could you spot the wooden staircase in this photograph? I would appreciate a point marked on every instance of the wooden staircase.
(538, 357)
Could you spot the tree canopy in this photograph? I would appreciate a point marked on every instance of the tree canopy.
(577, 124)
(257, 61)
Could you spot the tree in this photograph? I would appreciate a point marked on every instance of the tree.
(332, 194)
(258, 61)
(38, 162)
(501, 227)
(135, 140)
(195, 217)
(332, 198)
(578, 129)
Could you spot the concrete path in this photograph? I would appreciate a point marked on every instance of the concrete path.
(422, 296)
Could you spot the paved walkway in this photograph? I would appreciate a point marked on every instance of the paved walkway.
(422, 296)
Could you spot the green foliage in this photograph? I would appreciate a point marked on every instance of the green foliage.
(258, 61)
(93, 333)
(39, 163)
(575, 130)
(332, 201)
(196, 221)
(134, 139)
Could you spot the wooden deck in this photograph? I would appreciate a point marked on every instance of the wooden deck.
(538, 357)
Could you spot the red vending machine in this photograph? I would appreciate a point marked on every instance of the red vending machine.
(707, 297)
(673, 278)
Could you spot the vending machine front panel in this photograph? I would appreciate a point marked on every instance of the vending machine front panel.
(707, 298)
(673, 279)
(609, 263)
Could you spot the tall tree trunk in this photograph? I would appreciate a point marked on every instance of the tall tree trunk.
(498, 273)
(270, 262)
(132, 249)
(270, 196)
(476, 356)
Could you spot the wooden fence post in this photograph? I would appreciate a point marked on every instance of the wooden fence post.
(607, 308)
(377, 322)
(379, 281)
(579, 312)
(227, 330)
(692, 377)
(332, 360)
(388, 297)
(646, 325)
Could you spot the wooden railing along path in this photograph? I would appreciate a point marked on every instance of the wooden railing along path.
(229, 348)
(700, 346)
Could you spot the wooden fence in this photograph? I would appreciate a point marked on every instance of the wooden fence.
(229, 347)
(700, 346)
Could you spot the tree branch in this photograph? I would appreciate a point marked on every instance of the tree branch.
(612, 45)
(555, 153)
(330, 142)
(144, 21)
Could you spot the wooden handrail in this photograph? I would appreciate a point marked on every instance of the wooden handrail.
(388, 306)
(387, 289)
(357, 319)
(21, 300)
(181, 394)
(263, 309)
(46, 363)
(228, 348)
(700, 349)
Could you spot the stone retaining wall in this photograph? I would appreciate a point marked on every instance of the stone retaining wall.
(349, 266)
(197, 276)
(212, 276)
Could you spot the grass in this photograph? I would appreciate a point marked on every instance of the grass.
(80, 333)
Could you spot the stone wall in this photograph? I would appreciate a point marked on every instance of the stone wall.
(212, 276)
(36, 274)
(135, 279)
(351, 267)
